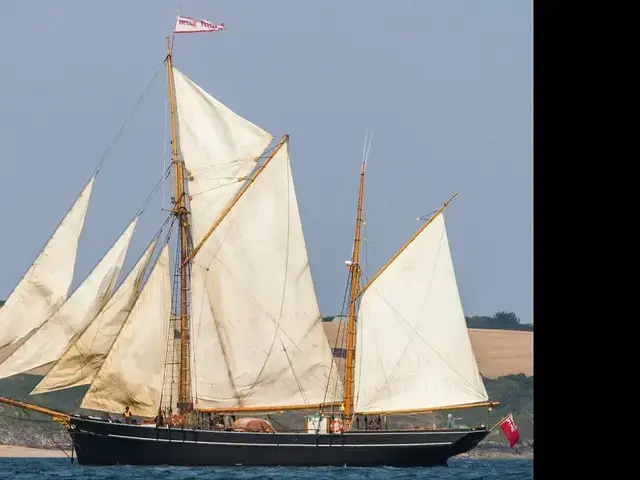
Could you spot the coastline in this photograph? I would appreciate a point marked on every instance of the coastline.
(14, 451)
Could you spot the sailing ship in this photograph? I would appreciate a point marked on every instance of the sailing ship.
(238, 331)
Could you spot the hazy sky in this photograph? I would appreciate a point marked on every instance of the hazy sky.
(445, 85)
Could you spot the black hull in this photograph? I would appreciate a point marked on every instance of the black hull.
(102, 443)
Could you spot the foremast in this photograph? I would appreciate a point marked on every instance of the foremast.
(354, 268)
(180, 211)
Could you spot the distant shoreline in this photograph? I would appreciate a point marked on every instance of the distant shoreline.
(14, 451)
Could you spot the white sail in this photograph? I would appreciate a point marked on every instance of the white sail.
(413, 348)
(132, 372)
(84, 357)
(258, 341)
(218, 147)
(45, 286)
(51, 339)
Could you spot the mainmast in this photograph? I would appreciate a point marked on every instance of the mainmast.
(182, 215)
(354, 268)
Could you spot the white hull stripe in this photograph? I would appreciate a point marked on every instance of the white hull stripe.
(352, 433)
(232, 444)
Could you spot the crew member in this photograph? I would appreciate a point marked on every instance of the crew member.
(159, 418)
(127, 415)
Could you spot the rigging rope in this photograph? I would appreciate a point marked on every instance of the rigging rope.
(126, 122)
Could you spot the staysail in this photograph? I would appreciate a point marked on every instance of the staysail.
(259, 342)
(413, 346)
(132, 372)
(45, 286)
(47, 343)
(84, 357)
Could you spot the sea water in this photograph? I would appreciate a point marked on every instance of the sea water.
(459, 469)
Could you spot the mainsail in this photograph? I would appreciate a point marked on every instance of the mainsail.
(50, 340)
(414, 351)
(132, 372)
(84, 357)
(45, 286)
(259, 342)
(219, 149)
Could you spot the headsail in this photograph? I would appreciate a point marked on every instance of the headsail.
(131, 374)
(50, 340)
(46, 284)
(218, 147)
(84, 357)
(256, 327)
(413, 346)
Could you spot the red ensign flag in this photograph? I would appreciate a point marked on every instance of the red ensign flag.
(510, 430)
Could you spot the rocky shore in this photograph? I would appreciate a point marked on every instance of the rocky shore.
(499, 450)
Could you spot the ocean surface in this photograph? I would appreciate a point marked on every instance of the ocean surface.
(459, 469)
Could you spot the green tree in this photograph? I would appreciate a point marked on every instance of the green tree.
(506, 319)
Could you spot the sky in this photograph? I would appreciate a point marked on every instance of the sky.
(446, 86)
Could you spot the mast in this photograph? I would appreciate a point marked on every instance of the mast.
(182, 215)
(354, 268)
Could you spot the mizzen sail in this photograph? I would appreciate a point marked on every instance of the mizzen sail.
(413, 346)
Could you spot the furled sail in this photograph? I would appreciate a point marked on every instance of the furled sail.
(257, 335)
(218, 147)
(413, 346)
(132, 372)
(51, 339)
(84, 357)
(46, 284)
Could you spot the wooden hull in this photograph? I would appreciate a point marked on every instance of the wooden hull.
(99, 442)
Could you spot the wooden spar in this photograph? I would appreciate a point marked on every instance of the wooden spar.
(432, 410)
(403, 248)
(180, 211)
(351, 332)
(275, 408)
(241, 192)
(34, 408)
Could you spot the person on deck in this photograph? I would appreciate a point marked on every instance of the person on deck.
(127, 415)
(159, 418)
(451, 421)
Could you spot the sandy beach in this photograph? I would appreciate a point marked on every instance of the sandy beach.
(11, 451)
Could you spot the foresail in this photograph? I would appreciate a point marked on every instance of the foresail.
(45, 285)
(218, 147)
(257, 337)
(51, 339)
(84, 357)
(413, 348)
(132, 372)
